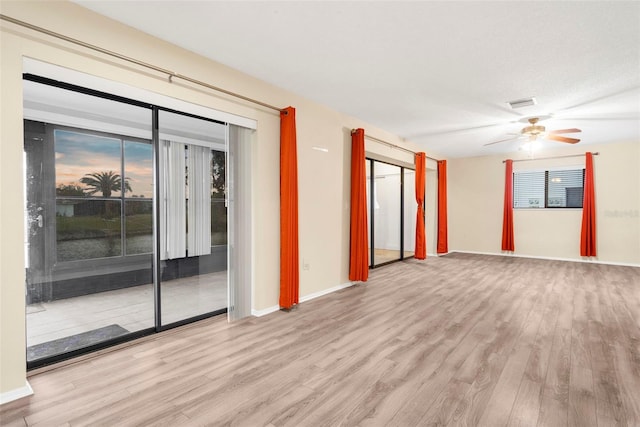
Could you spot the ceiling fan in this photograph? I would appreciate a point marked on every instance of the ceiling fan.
(534, 130)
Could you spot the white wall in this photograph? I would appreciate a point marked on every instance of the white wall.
(476, 192)
(324, 187)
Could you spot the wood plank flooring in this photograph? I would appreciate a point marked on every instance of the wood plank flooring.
(460, 340)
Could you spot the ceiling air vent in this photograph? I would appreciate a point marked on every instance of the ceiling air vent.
(519, 103)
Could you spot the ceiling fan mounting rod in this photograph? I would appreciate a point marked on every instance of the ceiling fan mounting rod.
(533, 130)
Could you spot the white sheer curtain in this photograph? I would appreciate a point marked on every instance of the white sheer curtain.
(173, 239)
(240, 268)
(199, 205)
(180, 166)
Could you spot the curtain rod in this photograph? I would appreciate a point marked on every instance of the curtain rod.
(552, 157)
(171, 74)
(388, 144)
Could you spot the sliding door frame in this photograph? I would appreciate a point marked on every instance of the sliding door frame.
(156, 264)
(372, 217)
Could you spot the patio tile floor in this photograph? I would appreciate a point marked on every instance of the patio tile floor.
(131, 308)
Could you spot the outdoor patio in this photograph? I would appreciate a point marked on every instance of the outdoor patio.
(125, 310)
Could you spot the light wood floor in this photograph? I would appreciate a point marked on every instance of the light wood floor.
(457, 340)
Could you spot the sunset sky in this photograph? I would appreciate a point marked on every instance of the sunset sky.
(78, 154)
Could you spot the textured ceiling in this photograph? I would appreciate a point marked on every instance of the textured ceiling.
(439, 74)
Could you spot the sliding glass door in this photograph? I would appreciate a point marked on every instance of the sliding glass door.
(193, 217)
(89, 197)
(126, 219)
(392, 211)
(369, 180)
(387, 211)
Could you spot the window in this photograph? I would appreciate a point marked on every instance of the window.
(548, 189)
(90, 195)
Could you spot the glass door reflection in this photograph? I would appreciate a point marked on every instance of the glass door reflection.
(368, 167)
(387, 213)
(88, 221)
(193, 217)
(391, 209)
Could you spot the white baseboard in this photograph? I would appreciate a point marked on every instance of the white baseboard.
(18, 393)
(265, 311)
(269, 310)
(584, 260)
(325, 292)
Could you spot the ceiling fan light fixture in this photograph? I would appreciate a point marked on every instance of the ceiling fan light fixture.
(530, 146)
(534, 130)
(524, 102)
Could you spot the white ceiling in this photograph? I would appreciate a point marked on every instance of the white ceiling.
(439, 74)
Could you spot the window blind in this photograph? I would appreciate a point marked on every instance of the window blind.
(565, 188)
(548, 189)
(528, 189)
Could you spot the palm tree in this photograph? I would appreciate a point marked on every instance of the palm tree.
(104, 182)
(69, 190)
(218, 174)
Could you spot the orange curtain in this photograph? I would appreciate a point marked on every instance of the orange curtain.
(443, 245)
(289, 265)
(507, 217)
(588, 234)
(359, 249)
(421, 239)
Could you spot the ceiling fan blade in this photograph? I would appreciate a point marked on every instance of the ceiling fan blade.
(563, 139)
(601, 98)
(599, 118)
(572, 130)
(450, 131)
(503, 140)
